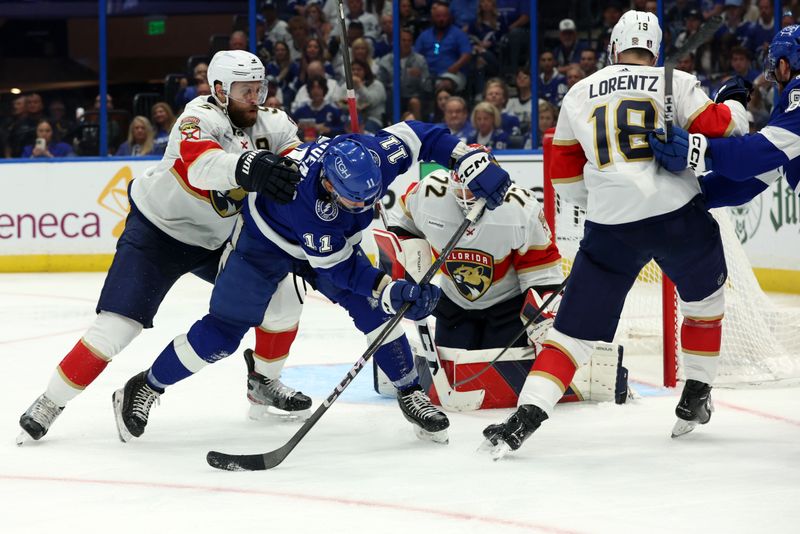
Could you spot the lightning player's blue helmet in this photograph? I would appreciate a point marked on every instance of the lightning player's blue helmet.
(353, 173)
(785, 45)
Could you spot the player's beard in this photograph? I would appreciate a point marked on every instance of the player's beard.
(242, 115)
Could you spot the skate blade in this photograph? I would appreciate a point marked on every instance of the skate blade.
(436, 437)
(499, 451)
(263, 412)
(117, 399)
(682, 427)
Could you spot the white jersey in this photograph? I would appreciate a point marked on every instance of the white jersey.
(601, 157)
(192, 194)
(507, 251)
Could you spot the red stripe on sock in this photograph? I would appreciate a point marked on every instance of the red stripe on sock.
(274, 345)
(555, 363)
(701, 336)
(81, 366)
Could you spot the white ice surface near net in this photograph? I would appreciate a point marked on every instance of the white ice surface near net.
(591, 468)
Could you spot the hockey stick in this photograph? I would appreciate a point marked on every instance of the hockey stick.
(450, 399)
(268, 460)
(705, 32)
(348, 72)
(523, 330)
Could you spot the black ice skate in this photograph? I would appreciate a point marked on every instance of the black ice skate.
(429, 422)
(264, 393)
(36, 420)
(695, 407)
(132, 406)
(509, 436)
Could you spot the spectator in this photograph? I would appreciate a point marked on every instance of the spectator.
(651, 6)
(46, 145)
(273, 102)
(34, 107)
(574, 75)
(163, 120)
(318, 117)
(383, 44)
(763, 29)
(686, 64)
(275, 29)
(741, 64)
(203, 89)
(486, 121)
(676, 15)
(317, 23)
(298, 30)
(237, 41)
(415, 79)
(362, 50)
(445, 47)
(62, 125)
(588, 62)
(282, 71)
(787, 19)
(520, 105)
(441, 95)
(611, 15)
(356, 13)
(703, 54)
(569, 48)
(370, 96)
(514, 15)
(188, 93)
(114, 130)
(12, 140)
(456, 115)
(409, 18)
(496, 93)
(22, 131)
(486, 32)
(315, 69)
(313, 50)
(141, 139)
(552, 85)
(734, 32)
(548, 114)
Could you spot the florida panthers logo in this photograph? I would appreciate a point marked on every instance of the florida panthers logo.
(471, 272)
(228, 203)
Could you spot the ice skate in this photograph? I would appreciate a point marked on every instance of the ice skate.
(132, 406)
(37, 419)
(508, 436)
(271, 398)
(429, 423)
(695, 407)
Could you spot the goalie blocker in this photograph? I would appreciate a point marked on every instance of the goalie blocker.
(603, 379)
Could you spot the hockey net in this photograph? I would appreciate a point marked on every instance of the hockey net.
(760, 339)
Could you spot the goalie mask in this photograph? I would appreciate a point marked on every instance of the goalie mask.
(458, 188)
(635, 29)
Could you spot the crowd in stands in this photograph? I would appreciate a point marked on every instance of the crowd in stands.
(463, 63)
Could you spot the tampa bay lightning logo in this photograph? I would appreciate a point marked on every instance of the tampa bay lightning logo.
(327, 211)
(375, 157)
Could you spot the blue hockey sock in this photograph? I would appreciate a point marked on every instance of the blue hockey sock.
(396, 360)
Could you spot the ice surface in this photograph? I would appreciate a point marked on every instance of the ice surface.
(590, 468)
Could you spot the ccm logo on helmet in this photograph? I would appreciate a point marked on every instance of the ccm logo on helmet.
(694, 152)
(341, 168)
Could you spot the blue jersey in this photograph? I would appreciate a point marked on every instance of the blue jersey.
(314, 228)
(739, 176)
(329, 115)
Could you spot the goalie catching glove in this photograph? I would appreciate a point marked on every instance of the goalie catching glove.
(534, 302)
(423, 298)
(268, 174)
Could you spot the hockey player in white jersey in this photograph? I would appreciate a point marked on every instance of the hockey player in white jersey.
(182, 212)
(636, 211)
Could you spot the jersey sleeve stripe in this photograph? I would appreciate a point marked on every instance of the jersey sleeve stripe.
(565, 142)
(540, 267)
(713, 120)
(567, 163)
(784, 140)
(330, 260)
(178, 170)
(192, 150)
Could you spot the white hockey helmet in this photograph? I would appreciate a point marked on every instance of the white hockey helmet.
(230, 66)
(635, 29)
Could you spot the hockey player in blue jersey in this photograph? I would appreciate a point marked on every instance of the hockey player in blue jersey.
(317, 237)
(744, 166)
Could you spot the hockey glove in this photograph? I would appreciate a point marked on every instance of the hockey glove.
(275, 177)
(537, 330)
(684, 150)
(736, 88)
(484, 177)
(423, 298)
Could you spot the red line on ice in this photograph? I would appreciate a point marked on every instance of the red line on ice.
(315, 498)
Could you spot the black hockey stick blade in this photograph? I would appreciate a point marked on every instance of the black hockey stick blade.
(249, 462)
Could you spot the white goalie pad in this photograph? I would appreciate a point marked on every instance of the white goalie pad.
(597, 380)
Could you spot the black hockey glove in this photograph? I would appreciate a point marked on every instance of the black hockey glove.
(736, 88)
(268, 174)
